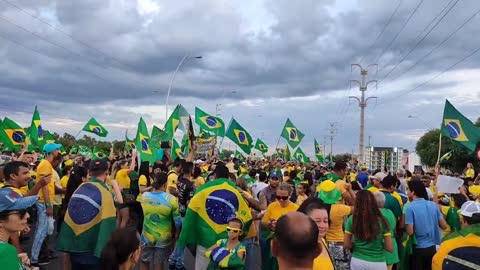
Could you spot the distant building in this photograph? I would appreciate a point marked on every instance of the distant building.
(393, 158)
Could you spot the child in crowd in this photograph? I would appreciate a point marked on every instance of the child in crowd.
(228, 253)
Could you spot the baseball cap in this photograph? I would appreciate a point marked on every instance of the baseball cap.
(470, 208)
(98, 165)
(50, 147)
(379, 176)
(11, 200)
(273, 175)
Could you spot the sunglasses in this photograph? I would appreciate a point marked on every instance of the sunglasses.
(235, 230)
(284, 198)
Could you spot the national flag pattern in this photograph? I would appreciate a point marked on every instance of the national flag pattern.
(239, 136)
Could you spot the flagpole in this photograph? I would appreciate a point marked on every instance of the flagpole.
(439, 147)
(276, 146)
(221, 142)
(78, 134)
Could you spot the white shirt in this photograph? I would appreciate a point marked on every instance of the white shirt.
(257, 187)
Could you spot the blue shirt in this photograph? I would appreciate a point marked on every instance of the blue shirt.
(424, 216)
(362, 178)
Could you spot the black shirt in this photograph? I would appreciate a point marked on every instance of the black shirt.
(185, 193)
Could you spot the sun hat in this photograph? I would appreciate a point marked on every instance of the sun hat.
(11, 200)
(379, 176)
(329, 193)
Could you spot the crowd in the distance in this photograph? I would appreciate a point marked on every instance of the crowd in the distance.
(117, 213)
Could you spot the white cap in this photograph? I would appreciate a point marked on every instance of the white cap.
(469, 208)
(379, 176)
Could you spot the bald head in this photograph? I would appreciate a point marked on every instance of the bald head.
(296, 239)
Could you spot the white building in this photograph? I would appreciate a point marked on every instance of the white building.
(393, 158)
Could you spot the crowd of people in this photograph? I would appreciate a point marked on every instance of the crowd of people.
(122, 213)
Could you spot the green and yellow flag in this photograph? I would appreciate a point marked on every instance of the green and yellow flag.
(85, 151)
(36, 130)
(142, 143)
(176, 150)
(49, 137)
(209, 212)
(239, 136)
(158, 135)
(287, 154)
(292, 134)
(177, 119)
(457, 127)
(239, 155)
(99, 153)
(94, 127)
(261, 146)
(12, 136)
(318, 151)
(300, 155)
(89, 221)
(209, 122)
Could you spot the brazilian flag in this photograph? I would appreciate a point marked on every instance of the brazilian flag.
(209, 212)
(143, 144)
(99, 153)
(239, 136)
(89, 221)
(459, 128)
(12, 135)
(158, 136)
(49, 137)
(300, 156)
(36, 130)
(292, 134)
(222, 258)
(261, 146)
(318, 151)
(209, 122)
(94, 127)
(85, 151)
(176, 151)
(239, 155)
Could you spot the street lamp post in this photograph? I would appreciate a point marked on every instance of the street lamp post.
(186, 57)
(421, 119)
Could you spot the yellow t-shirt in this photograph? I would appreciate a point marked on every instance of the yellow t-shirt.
(470, 173)
(45, 168)
(123, 179)
(323, 262)
(64, 181)
(24, 190)
(301, 199)
(198, 181)
(142, 181)
(398, 197)
(58, 197)
(172, 180)
(338, 212)
(275, 211)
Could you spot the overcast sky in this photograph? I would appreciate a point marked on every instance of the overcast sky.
(279, 58)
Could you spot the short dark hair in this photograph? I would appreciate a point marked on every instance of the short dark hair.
(122, 243)
(13, 167)
(418, 188)
(237, 220)
(187, 168)
(389, 181)
(294, 245)
(221, 171)
(474, 219)
(178, 162)
(340, 165)
(252, 173)
(262, 176)
(160, 180)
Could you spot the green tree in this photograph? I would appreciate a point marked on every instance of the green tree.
(67, 140)
(226, 153)
(342, 157)
(427, 150)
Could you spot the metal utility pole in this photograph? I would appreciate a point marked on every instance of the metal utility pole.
(325, 145)
(362, 102)
(333, 131)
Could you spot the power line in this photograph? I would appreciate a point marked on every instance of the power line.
(433, 78)
(66, 34)
(437, 46)
(383, 30)
(60, 46)
(419, 42)
(401, 29)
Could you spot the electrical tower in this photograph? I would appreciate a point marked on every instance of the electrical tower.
(333, 133)
(362, 102)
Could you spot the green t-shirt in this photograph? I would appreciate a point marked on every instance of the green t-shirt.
(333, 177)
(392, 204)
(9, 257)
(367, 251)
(391, 258)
